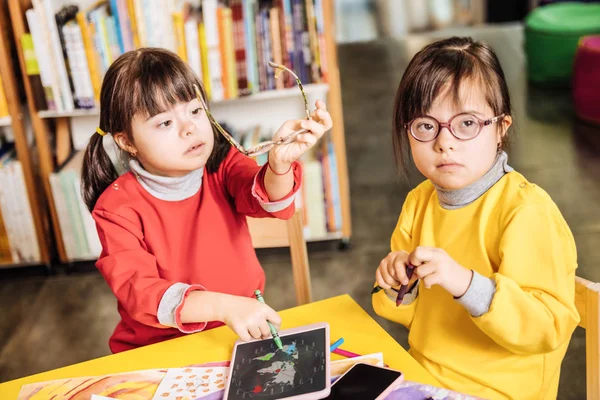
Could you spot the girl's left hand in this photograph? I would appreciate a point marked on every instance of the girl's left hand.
(435, 267)
(280, 157)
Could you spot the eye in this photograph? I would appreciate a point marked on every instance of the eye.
(166, 123)
(468, 123)
(425, 126)
(196, 111)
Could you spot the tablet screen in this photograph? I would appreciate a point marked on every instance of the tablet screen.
(260, 370)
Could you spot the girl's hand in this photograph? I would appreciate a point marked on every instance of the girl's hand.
(392, 270)
(435, 267)
(248, 317)
(282, 156)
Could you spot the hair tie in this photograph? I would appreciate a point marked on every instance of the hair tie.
(100, 132)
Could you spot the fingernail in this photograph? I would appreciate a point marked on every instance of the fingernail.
(405, 282)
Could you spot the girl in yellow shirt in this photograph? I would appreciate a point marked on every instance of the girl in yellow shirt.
(490, 305)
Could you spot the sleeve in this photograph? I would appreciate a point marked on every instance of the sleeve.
(533, 309)
(132, 274)
(384, 302)
(245, 184)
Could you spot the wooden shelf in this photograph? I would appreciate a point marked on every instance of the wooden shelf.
(5, 121)
(276, 94)
(68, 114)
(261, 96)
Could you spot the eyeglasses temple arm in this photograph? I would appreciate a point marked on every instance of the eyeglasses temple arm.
(222, 131)
(278, 68)
(494, 119)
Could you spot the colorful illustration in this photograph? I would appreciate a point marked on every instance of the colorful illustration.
(260, 370)
(137, 385)
(276, 372)
(191, 383)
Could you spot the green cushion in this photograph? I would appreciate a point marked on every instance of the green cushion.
(565, 18)
(552, 34)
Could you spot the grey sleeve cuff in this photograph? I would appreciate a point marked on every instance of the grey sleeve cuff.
(274, 206)
(408, 298)
(478, 297)
(171, 299)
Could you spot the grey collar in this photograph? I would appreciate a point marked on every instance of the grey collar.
(454, 199)
(165, 187)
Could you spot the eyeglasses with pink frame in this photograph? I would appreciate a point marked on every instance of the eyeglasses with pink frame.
(467, 133)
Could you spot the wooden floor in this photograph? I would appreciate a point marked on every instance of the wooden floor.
(51, 322)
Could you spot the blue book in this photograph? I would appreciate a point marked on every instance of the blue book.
(115, 13)
(96, 17)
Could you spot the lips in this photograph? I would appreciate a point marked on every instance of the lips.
(448, 163)
(194, 147)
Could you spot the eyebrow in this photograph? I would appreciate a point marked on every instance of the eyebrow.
(471, 112)
(152, 116)
(167, 110)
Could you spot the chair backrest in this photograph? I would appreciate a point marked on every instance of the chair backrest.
(587, 300)
(271, 232)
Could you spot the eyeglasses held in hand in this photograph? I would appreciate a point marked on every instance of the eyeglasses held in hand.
(263, 147)
(463, 126)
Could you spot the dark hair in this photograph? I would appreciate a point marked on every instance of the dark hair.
(453, 60)
(147, 81)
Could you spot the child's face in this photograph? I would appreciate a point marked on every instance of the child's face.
(452, 163)
(174, 142)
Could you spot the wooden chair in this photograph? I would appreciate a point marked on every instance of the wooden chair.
(271, 232)
(587, 301)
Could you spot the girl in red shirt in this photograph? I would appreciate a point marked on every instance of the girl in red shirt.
(176, 250)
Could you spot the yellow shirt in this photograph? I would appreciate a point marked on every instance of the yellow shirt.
(515, 235)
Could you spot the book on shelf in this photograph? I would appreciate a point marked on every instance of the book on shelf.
(228, 43)
(77, 226)
(18, 239)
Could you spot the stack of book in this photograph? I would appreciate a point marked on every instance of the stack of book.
(227, 43)
(18, 240)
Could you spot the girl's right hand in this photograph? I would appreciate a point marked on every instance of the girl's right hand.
(248, 317)
(392, 270)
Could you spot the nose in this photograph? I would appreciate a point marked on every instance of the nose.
(445, 140)
(188, 128)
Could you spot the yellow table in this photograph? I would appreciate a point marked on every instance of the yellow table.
(346, 319)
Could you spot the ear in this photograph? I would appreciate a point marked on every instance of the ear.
(123, 142)
(504, 125)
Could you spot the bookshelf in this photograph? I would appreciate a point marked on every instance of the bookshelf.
(22, 149)
(55, 141)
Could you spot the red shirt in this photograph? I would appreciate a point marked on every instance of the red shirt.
(150, 244)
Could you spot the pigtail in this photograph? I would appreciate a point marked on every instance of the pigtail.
(98, 171)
